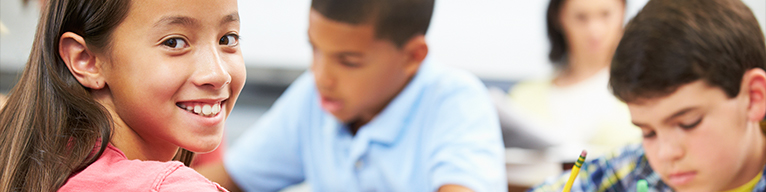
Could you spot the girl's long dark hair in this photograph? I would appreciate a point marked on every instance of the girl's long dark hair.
(51, 126)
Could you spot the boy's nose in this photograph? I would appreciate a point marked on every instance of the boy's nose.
(670, 150)
(211, 71)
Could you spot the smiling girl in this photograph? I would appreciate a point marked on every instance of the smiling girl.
(113, 89)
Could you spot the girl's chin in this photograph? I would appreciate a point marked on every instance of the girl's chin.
(201, 144)
(198, 148)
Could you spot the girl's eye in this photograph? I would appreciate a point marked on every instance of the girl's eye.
(605, 14)
(229, 40)
(174, 43)
(582, 17)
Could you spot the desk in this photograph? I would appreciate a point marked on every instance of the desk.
(527, 168)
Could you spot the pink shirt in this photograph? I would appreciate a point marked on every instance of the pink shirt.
(114, 172)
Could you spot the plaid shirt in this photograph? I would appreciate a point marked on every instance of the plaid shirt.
(618, 171)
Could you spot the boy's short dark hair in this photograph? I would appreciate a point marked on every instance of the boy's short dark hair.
(674, 42)
(394, 20)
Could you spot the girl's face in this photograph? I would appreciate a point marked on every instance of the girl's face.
(174, 71)
(592, 27)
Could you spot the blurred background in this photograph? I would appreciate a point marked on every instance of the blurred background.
(500, 41)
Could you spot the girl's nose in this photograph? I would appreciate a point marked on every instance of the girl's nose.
(211, 71)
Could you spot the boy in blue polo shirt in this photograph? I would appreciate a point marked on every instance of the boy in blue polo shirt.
(372, 114)
(692, 74)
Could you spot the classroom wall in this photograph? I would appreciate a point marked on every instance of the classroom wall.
(494, 39)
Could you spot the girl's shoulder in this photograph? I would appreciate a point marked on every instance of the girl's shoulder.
(114, 172)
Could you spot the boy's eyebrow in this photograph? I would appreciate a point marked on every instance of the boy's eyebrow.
(349, 54)
(679, 113)
(233, 17)
(176, 20)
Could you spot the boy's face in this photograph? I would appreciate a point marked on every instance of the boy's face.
(698, 139)
(355, 73)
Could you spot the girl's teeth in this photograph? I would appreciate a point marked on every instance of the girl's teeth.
(216, 108)
(204, 110)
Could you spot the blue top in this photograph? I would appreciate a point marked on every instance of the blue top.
(441, 129)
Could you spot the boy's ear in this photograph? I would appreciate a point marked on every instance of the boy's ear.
(416, 51)
(754, 83)
(80, 60)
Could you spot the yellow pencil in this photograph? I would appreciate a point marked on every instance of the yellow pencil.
(575, 171)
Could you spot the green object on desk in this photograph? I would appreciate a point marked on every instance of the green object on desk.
(642, 186)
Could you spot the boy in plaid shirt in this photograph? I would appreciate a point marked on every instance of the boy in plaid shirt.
(692, 74)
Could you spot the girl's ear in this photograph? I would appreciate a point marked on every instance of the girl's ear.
(80, 61)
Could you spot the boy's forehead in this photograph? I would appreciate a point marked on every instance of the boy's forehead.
(324, 31)
(691, 95)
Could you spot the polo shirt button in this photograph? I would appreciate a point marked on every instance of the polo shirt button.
(359, 164)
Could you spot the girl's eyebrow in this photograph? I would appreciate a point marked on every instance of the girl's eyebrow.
(233, 17)
(177, 20)
(188, 21)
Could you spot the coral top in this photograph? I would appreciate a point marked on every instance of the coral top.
(114, 172)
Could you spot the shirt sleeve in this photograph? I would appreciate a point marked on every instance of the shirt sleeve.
(267, 156)
(466, 146)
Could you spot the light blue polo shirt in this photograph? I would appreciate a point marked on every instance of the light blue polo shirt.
(441, 129)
